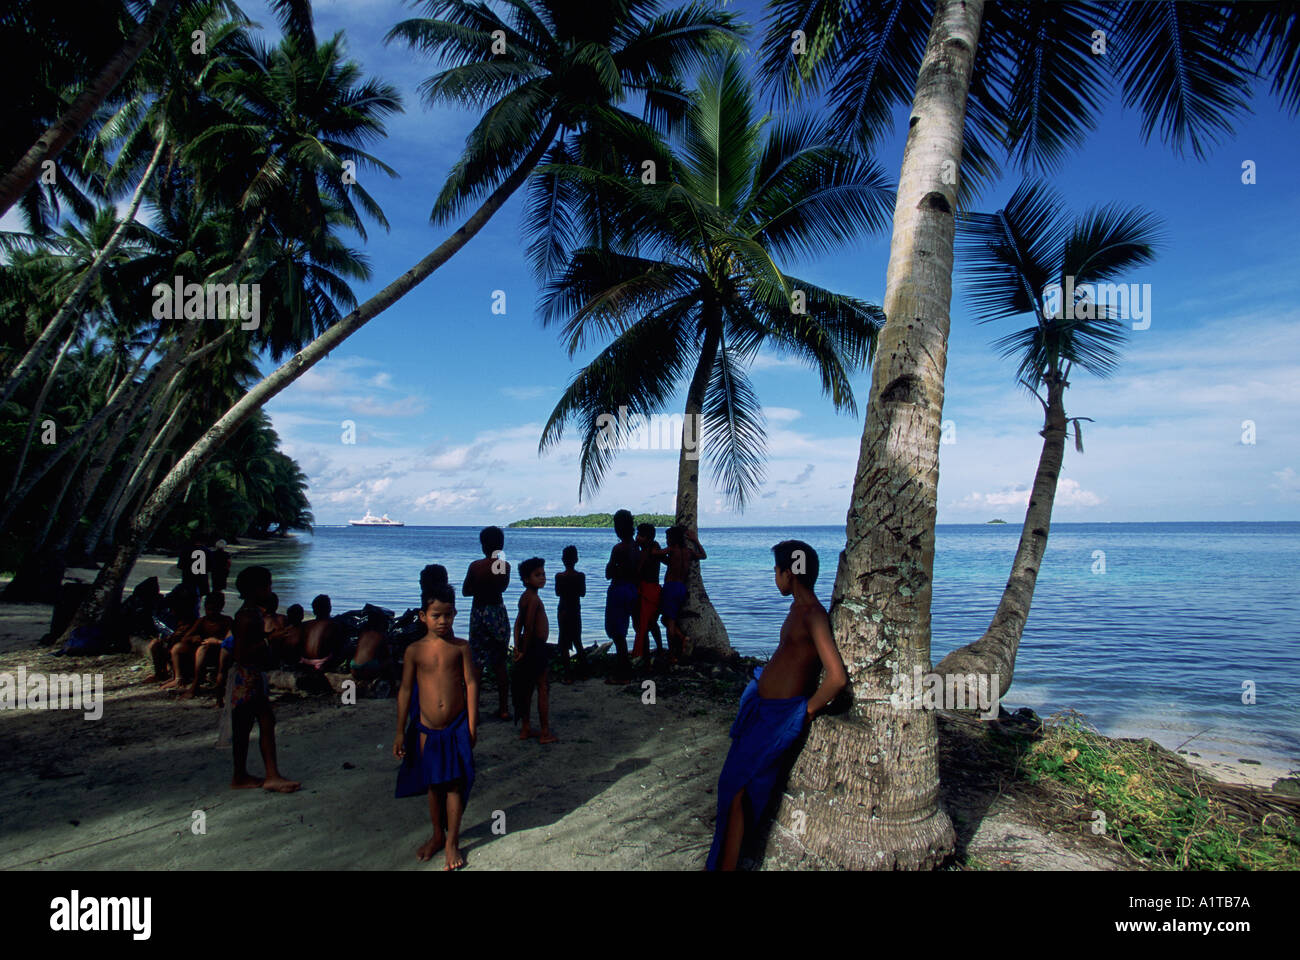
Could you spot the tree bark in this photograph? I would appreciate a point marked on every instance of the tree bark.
(706, 635)
(15, 182)
(106, 592)
(864, 790)
(995, 652)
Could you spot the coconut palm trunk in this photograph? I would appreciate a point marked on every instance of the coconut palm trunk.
(36, 352)
(706, 635)
(864, 791)
(37, 408)
(994, 654)
(107, 589)
(15, 182)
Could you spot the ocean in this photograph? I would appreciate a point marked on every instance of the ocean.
(1148, 629)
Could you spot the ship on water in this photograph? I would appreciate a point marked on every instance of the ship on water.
(370, 520)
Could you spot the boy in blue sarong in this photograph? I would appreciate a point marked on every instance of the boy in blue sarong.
(437, 724)
(775, 707)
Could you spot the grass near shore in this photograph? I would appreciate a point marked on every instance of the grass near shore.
(1161, 810)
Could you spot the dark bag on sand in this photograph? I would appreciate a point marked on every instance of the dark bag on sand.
(85, 642)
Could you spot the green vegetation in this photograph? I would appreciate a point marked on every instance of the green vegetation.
(594, 520)
(1158, 808)
(997, 521)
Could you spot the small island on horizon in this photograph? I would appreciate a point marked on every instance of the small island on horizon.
(995, 521)
(594, 520)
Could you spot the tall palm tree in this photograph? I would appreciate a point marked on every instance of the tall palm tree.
(698, 293)
(1023, 75)
(567, 65)
(1023, 260)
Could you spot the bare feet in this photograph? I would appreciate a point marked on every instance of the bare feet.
(454, 859)
(245, 782)
(526, 732)
(280, 785)
(503, 714)
(171, 684)
(187, 694)
(427, 850)
(548, 737)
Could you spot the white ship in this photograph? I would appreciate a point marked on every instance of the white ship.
(370, 520)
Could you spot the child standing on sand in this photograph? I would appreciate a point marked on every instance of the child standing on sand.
(532, 656)
(571, 587)
(683, 548)
(437, 724)
(775, 707)
(621, 598)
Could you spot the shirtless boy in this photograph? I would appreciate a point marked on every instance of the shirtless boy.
(322, 638)
(683, 549)
(372, 656)
(776, 706)
(180, 604)
(489, 623)
(202, 641)
(437, 724)
(621, 598)
(532, 655)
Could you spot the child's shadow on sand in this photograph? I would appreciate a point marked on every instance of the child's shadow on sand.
(541, 810)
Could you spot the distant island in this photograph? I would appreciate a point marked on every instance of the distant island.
(996, 521)
(594, 520)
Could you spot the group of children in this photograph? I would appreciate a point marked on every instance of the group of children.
(438, 695)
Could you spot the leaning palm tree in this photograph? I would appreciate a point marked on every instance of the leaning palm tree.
(541, 70)
(699, 292)
(1029, 258)
(1032, 77)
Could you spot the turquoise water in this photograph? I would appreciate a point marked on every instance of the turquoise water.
(1158, 644)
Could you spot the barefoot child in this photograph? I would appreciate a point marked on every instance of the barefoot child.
(489, 623)
(683, 548)
(648, 591)
(246, 696)
(322, 638)
(202, 642)
(437, 724)
(571, 587)
(532, 655)
(621, 597)
(775, 707)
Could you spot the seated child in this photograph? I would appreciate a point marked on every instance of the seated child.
(372, 656)
(181, 616)
(322, 640)
(291, 640)
(775, 707)
(532, 656)
(683, 548)
(571, 587)
(437, 724)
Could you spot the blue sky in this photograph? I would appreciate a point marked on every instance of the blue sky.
(449, 399)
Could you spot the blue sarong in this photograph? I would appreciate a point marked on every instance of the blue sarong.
(763, 733)
(620, 601)
(447, 754)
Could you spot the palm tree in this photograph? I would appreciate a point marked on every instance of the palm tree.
(1023, 75)
(566, 66)
(1020, 258)
(26, 169)
(702, 293)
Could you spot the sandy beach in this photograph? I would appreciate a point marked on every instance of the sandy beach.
(629, 786)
